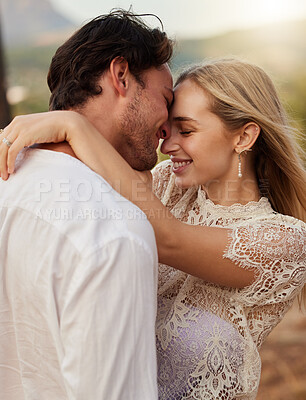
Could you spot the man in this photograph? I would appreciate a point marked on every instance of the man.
(78, 262)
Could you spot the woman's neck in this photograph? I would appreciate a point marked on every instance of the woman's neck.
(240, 190)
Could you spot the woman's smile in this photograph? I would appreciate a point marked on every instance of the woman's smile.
(179, 165)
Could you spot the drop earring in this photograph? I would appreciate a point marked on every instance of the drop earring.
(239, 162)
(239, 166)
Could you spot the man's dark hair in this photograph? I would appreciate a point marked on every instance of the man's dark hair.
(79, 63)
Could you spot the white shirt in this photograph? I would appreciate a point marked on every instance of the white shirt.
(78, 271)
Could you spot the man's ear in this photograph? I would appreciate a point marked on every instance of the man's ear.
(247, 137)
(120, 74)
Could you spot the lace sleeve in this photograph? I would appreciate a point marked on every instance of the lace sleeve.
(277, 252)
(161, 175)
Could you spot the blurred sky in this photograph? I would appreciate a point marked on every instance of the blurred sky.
(193, 18)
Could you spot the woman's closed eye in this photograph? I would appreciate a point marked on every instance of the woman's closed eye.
(185, 132)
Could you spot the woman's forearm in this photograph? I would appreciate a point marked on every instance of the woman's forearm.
(197, 250)
(96, 152)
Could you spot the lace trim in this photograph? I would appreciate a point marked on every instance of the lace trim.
(261, 206)
(277, 254)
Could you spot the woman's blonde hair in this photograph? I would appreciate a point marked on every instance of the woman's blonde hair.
(242, 93)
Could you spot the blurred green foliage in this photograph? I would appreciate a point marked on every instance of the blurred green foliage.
(28, 67)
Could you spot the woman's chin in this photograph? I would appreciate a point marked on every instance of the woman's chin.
(183, 183)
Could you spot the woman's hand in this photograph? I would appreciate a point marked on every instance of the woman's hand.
(26, 130)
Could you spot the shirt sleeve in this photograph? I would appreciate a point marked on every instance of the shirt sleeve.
(108, 325)
(277, 253)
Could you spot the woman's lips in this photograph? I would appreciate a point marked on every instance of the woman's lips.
(180, 165)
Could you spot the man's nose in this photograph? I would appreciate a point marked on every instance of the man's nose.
(165, 131)
(171, 144)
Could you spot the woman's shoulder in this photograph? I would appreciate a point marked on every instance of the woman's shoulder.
(277, 239)
(275, 248)
(261, 212)
(275, 230)
(287, 221)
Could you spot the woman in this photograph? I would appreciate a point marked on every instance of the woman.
(234, 172)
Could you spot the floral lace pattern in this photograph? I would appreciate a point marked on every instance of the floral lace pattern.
(208, 336)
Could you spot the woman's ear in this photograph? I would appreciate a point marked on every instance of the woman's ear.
(247, 137)
(120, 74)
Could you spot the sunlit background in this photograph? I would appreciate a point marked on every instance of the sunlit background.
(194, 18)
(270, 33)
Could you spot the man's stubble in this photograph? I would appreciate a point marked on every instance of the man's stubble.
(138, 144)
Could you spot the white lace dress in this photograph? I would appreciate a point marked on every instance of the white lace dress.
(208, 336)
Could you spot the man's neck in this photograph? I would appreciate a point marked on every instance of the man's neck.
(62, 147)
